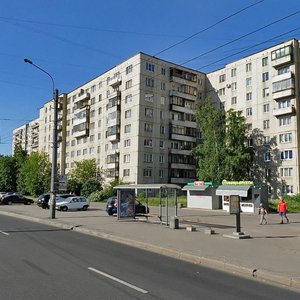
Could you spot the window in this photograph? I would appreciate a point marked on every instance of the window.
(161, 173)
(161, 159)
(84, 152)
(285, 121)
(248, 67)
(267, 156)
(161, 144)
(100, 97)
(162, 129)
(128, 98)
(281, 52)
(284, 103)
(222, 78)
(93, 88)
(148, 143)
(128, 69)
(266, 124)
(163, 71)
(148, 127)
(78, 153)
(283, 85)
(127, 128)
(266, 92)
(287, 154)
(163, 86)
(249, 96)
(149, 97)
(248, 81)
(148, 158)
(128, 84)
(264, 61)
(126, 158)
(147, 172)
(233, 100)
(233, 72)
(149, 112)
(93, 101)
(221, 92)
(265, 76)
(127, 143)
(162, 100)
(266, 108)
(150, 67)
(150, 82)
(285, 137)
(249, 111)
(267, 172)
(126, 172)
(283, 70)
(286, 172)
(287, 189)
(233, 86)
(128, 114)
(267, 140)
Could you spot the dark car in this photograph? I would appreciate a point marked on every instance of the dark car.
(112, 208)
(16, 198)
(43, 200)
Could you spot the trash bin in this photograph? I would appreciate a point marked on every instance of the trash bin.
(174, 223)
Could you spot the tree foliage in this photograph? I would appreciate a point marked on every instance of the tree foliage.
(210, 153)
(35, 173)
(85, 178)
(222, 153)
(7, 174)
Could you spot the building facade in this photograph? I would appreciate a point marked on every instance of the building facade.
(138, 119)
(264, 87)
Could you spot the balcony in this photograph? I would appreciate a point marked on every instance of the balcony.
(184, 123)
(180, 137)
(115, 82)
(183, 109)
(282, 61)
(80, 133)
(182, 95)
(183, 81)
(182, 166)
(281, 77)
(180, 181)
(180, 151)
(82, 97)
(284, 93)
(277, 112)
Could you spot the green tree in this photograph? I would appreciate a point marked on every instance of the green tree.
(36, 174)
(85, 177)
(237, 161)
(210, 153)
(8, 179)
(20, 157)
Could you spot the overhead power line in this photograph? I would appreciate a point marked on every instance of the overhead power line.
(241, 37)
(209, 27)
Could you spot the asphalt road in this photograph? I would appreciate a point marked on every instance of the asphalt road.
(42, 262)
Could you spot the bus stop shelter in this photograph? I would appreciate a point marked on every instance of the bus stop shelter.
(166, 193)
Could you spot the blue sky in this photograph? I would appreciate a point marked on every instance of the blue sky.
(76, 40)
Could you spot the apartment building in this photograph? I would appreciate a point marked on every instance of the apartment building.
(264, 87)
(27, 136)
(137, 120)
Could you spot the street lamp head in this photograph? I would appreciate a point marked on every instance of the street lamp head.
(27, 61)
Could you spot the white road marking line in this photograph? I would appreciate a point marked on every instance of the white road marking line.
(119, 280)
(4, 232)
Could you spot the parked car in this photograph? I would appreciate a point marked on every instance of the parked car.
(15, 198)
(43, 200)
(112, 207)
(73, 203)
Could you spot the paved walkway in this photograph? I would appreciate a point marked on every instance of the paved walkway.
(272, 253)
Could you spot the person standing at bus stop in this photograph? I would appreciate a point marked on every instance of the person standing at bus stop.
(282, 209)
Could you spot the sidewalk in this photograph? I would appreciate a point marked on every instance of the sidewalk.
(271, 254)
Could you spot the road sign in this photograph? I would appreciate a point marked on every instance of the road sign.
(63, 182)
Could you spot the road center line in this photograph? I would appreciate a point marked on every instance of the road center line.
(119, 280)
(3, 232)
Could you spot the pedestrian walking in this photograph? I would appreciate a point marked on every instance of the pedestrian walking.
(262, 212)
(282, 209)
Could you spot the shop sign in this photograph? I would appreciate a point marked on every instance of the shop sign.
(246, 182)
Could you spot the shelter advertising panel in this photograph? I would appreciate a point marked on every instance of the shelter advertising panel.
(126, 201)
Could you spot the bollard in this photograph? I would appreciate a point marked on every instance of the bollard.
(174, 223)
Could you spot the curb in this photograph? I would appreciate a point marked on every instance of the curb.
(256, 273)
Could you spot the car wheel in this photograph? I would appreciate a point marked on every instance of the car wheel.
(110, 213)
(85, 208)
(27, 203)
(64, 208)
(9, 202)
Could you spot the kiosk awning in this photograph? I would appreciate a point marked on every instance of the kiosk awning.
(228, 189)
(194, 188)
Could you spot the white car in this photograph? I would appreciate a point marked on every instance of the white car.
(73, 203)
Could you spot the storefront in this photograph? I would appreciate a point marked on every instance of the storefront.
(250, 195)
(202, 195)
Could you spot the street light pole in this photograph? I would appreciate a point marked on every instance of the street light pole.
(54, 147)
